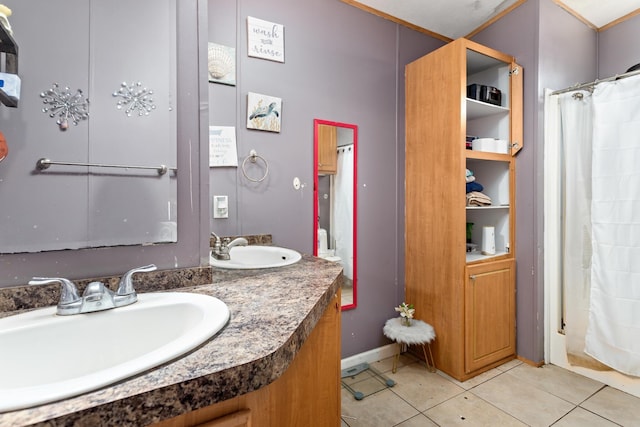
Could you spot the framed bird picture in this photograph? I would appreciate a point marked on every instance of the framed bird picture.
(264, 112)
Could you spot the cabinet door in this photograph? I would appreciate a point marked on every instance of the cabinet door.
(517, 109)
(327, 149)
(489, 313)
(308, 393)
(237, 419)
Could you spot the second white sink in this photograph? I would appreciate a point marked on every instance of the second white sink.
(256, 257)
(46, 357)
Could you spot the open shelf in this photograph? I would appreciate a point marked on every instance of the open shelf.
(479, 256)
(477, 109)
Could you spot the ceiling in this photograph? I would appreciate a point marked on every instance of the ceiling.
(451, 19)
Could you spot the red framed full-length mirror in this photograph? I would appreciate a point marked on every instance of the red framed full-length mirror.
(335, 148)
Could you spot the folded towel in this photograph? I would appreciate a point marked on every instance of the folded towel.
(476, 198)
(474, 186)
(469, 173)
(470, 178)
(476, 195)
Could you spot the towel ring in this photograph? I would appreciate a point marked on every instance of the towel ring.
(253, 157)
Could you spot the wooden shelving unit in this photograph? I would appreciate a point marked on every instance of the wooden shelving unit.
(469, 298)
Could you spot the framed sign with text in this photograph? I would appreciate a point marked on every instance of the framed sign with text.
(266, 39)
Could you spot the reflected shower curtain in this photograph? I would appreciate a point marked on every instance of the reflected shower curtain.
(343, 209)
(600, 239)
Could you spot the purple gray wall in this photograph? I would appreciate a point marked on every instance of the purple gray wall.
(344, 65)
(618, 48)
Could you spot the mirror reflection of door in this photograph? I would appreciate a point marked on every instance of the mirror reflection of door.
(335, 172)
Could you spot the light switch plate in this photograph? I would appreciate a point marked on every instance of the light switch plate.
(221, 206)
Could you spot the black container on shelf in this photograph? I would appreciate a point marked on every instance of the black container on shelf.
(483, 93)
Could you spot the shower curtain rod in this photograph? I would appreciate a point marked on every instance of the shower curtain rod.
(593, 83)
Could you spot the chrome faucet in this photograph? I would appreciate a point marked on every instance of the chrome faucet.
(221, 247)
(96, 296)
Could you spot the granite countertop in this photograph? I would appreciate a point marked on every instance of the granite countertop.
(272, 314)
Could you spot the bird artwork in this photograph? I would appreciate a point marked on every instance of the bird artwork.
(264, 112)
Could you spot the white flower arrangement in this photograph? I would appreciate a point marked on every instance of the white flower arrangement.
(406, 313)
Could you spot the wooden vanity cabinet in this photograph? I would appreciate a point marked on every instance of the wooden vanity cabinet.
(307, 393)
(468, 297)
(327, 149)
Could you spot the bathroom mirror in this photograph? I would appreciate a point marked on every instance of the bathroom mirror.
(335, 194)
(117, 59)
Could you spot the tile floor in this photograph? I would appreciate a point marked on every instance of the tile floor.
(514, 394)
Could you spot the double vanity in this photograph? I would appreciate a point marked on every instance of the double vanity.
(278, 352)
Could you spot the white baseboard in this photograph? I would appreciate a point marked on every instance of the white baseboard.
(369, 356)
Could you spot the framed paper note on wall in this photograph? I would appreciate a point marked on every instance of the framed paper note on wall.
(266, 39)
(222, 146)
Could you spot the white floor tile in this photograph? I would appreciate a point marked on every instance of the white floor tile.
(383, 409)
(615, 405)
(565, 384)
(525, 402)
(514, 394)
(469, 410)
(478, 379)
(509, 365)
(421, 388)
(582, 418)
(418, 421)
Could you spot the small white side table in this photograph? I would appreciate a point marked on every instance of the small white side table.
(419, 333)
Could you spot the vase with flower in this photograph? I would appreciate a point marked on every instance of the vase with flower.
(406, 313)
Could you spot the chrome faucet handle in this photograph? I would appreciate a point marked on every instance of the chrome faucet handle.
(68, 290)
(125, 287)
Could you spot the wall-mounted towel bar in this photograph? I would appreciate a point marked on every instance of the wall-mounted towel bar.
(253, 157)
(44, 163)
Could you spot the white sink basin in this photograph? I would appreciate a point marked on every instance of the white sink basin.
(45, 357)
(253, 256)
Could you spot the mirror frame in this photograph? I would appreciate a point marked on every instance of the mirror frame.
(354, 128)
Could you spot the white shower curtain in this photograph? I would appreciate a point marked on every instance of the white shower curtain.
(343, 212)
(575, 114)
(613, 334)
(600, 237)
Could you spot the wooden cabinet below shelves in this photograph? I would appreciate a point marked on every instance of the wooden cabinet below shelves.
(327, 149)
(489, 313)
